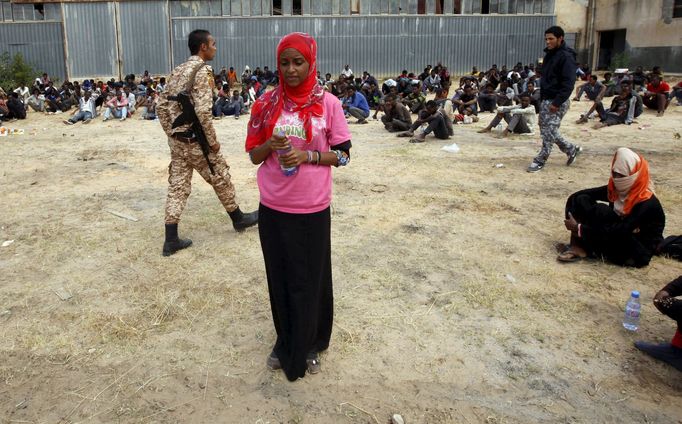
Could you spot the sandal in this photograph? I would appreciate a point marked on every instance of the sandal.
(405, 134)
(272, 362)
(561, 247)
(417, 140)
(314, 365)
(569, 256)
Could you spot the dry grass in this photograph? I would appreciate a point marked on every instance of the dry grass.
(450, 307)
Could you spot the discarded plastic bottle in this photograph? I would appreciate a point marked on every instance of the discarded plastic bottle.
(632, 308)
(287, 171)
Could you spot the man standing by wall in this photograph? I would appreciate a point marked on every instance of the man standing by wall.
(556, 86)
(195, 78)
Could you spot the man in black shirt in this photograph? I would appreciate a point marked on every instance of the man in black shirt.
(556, 85)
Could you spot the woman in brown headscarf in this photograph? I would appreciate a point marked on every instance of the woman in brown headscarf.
(628, 229)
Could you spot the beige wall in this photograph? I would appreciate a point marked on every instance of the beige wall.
(571, 15)
(643, 20)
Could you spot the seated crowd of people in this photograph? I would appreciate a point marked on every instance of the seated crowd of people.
(85, 101)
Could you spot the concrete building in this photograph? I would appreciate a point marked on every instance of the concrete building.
(625, 33)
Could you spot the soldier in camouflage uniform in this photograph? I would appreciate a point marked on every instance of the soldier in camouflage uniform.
(196, 78)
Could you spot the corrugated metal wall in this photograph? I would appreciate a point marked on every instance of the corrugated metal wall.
(382, 45)
(91, 39)
(144, 36)
(40, 43)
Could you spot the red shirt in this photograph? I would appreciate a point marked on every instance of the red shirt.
(662, 88)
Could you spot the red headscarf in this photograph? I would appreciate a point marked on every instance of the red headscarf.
(307, 96)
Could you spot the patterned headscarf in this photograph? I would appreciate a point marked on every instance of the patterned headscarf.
(307, 96)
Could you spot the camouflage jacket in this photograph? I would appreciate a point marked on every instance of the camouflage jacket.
(201, 93)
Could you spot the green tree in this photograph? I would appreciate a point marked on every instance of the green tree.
(15, 71)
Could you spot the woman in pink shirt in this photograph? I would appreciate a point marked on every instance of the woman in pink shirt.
(297, 125)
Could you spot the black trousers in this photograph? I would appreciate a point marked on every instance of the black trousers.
(297, 253)
(437, 126)
(618, 249)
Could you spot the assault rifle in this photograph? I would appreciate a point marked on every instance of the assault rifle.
(189, 116)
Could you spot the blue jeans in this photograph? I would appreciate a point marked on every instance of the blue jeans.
(81, 116)
(118, 113)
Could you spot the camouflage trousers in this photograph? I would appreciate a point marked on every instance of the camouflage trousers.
(549, 129)
(185, 158)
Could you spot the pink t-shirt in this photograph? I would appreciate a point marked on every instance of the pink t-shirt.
(310, 189)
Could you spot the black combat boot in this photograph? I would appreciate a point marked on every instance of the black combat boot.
(241, 221)
(173, 243)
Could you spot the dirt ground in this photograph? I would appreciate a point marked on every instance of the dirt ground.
(450, 305)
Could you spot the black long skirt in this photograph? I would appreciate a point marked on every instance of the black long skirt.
(297, 253)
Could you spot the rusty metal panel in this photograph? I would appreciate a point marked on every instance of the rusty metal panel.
(91, 39)
(144, 33)
(41, 44)
(459, 41)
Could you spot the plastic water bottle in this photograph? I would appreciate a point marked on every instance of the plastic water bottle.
(287, 171)
(631, 321)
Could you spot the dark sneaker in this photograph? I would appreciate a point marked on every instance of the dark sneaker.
(171, 247)
(535, 167)
(574, 154)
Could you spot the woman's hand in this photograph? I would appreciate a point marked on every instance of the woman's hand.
(293, 157)
(571, 224)
(277, 142)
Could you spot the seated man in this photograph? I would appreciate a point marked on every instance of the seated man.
(17, 108)
(610, 85)
(435, 118)
(638, 79)
(665, 302)
(148, 105)
(397, 116)
(588, 88)
(223, 94)
(487, 99)
(267, 78)
(415, 100)
(368, 79)
(132, 100)
(234, 105)
(432, 82)
(595, 91)
(372, 94)
(505, 94)
(86, 109)
(520, 119)
(356, 105)
(36, 101)
(625, 107)
(677, 93)
(347, 72)
(534, 94)
(466, 103)
(656, 95)
(628, 229)
(118, 106)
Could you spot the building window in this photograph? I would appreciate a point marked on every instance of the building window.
(485, 7)
(296, 8)
(277, 7)
(354, 7)
(677, 9)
